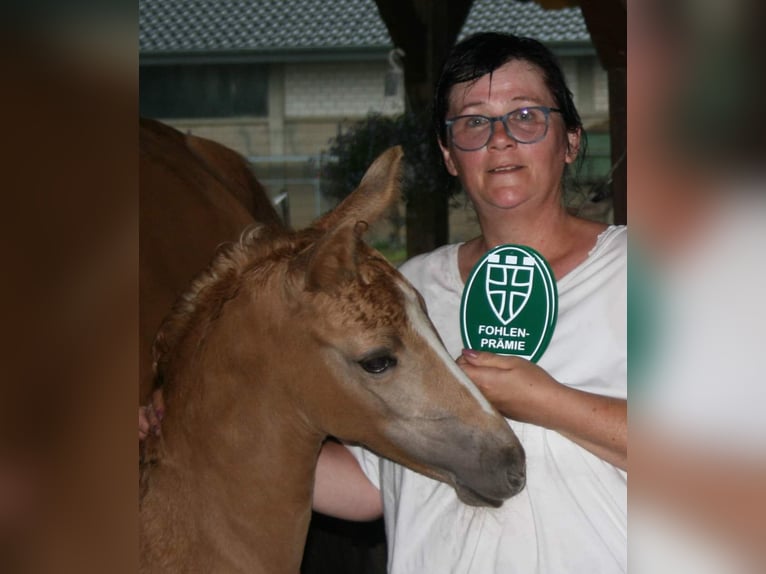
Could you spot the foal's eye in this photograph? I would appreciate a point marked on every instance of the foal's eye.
(377, 365)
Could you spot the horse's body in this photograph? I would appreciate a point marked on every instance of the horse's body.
(194, 195)
(287, 338)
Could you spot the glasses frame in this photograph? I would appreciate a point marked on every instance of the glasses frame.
(504, 120)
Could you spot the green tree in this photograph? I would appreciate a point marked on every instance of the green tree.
(353, 151)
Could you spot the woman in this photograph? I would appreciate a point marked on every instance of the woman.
(569, 410)
(508, 128)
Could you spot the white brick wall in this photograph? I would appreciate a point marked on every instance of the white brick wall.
(338, 90)
(352, 90)
(600, 89)
(588, 82)
(569, 67)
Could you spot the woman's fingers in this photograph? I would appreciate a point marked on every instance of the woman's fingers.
(150, 416)
(483, 359)
(158, 403)
(143, 423)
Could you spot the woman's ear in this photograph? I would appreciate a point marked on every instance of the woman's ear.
(448, 162)
(573, 145)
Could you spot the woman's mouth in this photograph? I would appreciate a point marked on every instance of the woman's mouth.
(505, 169)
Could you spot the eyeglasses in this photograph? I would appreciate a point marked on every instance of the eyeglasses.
(525, 125)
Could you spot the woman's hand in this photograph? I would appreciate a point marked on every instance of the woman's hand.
(523, 391)
(517, 388)
(150, 416)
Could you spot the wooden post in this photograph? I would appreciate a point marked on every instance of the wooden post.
(426, 30)
(607, 22)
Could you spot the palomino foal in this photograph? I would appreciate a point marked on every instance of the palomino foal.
(281, 342)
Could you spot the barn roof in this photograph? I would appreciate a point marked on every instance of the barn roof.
(263, 26)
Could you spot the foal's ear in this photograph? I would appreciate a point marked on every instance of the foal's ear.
(378, 190)
(332, 260)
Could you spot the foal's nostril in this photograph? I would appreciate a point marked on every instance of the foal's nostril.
(517, 479)
(517, 474)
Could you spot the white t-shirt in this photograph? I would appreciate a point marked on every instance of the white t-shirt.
(572, 515)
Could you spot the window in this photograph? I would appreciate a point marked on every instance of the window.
(203, 90)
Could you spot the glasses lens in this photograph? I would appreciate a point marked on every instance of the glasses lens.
(471, 132)
(525, 125)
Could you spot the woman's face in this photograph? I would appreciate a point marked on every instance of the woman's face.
(505, 174)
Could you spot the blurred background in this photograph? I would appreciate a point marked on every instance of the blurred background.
(696, 282)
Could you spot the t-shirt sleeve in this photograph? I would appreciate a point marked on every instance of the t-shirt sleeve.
(369, 462)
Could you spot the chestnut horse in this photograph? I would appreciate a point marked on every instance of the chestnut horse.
(286, 338)
(194, 194)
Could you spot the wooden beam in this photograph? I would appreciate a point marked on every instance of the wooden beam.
(426, 30)
(607, 22)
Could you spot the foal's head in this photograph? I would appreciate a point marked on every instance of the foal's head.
(339, 343)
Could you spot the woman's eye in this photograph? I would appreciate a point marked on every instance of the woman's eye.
(377, 365)
(525, 115)
(476, 121)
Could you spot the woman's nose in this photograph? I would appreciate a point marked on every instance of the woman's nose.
(499, 137)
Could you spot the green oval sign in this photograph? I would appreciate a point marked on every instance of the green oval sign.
(510, 303)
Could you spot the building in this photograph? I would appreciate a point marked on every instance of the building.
(277, 79)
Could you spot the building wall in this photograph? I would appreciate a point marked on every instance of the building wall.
(570, 69)
(588, 82)
(308, 105)
(338, 90)
(601, 90)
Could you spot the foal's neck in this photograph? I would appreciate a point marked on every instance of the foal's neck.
(240, 472)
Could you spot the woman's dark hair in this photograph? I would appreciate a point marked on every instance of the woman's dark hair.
(484, 53)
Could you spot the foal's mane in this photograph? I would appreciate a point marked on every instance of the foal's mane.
(200, 305)
(205, 297)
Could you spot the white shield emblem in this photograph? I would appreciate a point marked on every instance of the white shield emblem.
(509, 284)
